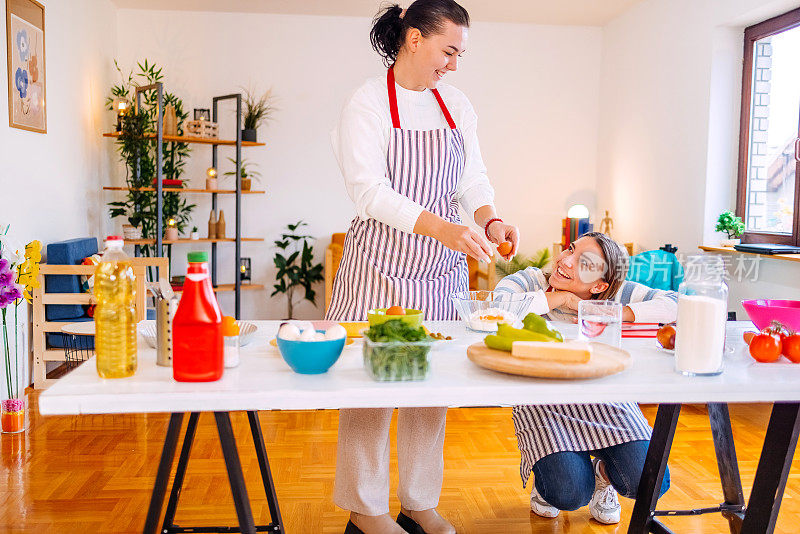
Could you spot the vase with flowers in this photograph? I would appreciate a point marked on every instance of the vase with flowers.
(19, 275)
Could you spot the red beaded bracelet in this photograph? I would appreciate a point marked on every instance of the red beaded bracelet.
(486, 228)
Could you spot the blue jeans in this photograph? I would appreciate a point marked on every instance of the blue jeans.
(566, 479)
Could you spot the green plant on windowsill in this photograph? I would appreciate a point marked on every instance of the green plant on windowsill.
(521, 262)
(246, 172)
(731, 225)
(297, 271)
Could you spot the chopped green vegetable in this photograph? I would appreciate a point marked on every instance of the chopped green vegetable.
(537, 323)
(396, 351)
(534, 329)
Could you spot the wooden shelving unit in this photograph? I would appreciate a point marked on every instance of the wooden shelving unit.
(232, 287)
(187, 139)
(179, 241)
(159, 189)
(185, 190)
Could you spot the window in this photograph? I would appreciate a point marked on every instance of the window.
(768, 194)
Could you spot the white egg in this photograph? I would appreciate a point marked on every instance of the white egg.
(308, 335)
(289, 332)
(302, 325)
(336, 331)
(319, 337)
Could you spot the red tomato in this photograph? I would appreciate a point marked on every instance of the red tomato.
(765, 348)
(790, 347)
(748, 337)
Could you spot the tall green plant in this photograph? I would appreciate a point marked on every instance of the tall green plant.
(138, 152)
(296, 268)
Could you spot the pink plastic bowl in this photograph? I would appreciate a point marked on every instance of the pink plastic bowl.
(764, 311)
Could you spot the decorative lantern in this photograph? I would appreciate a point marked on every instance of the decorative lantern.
(244, 270)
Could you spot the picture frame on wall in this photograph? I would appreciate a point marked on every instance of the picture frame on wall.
(202, 114)
(27, 96)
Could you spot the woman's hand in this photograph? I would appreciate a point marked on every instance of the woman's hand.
(464, 239)
(500, 232)
(456, 237)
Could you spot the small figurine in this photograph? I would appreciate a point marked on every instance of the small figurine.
(606, 225)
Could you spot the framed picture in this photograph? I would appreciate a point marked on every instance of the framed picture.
(202, 114)
(26, 66)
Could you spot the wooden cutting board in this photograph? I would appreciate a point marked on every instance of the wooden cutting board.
(606, 360)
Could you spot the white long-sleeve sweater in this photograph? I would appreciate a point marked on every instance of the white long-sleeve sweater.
(361, 140)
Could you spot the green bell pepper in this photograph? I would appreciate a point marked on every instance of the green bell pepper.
(536, 323)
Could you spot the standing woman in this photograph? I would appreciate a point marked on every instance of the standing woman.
(408, 149)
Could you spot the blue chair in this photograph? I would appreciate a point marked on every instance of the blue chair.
(658, 269)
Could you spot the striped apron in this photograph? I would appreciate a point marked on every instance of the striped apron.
(544, 429)
(382, 266)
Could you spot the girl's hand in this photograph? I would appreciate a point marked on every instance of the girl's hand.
(500, 232)
(562, 299)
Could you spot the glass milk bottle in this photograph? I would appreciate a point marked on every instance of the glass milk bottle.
(702, 316)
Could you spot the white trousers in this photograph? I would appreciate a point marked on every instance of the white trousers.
(362, 461)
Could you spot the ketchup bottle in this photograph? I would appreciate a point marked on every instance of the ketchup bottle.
(197, 352)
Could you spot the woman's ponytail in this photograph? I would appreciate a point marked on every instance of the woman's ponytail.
(428, 16)
(387, 33)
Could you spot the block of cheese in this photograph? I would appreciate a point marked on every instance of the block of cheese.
(567, 352)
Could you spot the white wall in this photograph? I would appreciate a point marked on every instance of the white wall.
(49, 183)
(670, 90)
(535, 89)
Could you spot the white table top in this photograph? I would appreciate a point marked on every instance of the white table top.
(264, 381)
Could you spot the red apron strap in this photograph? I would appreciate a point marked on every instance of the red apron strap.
(393, 102)
(444, 109)
(392, 98)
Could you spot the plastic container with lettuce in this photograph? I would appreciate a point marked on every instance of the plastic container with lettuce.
(534, 328)
(395, 351)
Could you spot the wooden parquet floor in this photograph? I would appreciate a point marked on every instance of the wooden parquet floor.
(94, 474)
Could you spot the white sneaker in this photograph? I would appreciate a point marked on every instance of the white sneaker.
(604, 505)
(541, 507)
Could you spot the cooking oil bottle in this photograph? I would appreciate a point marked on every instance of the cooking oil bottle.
(115, 313)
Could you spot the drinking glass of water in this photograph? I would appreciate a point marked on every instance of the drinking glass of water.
(601, 321)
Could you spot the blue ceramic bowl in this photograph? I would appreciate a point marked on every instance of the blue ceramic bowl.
(311, 357)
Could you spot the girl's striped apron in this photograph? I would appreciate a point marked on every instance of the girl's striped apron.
(382, 266)
(544, 429)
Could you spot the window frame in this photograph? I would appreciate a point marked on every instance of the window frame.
(753, 33)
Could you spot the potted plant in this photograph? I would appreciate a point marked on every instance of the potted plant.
(19, 274)
(195, 235)
(247, 174)
(257, 109)
(732, 226)
(296, 267)
(520, 262)
(138, 152)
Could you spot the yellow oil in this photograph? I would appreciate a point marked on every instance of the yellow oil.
(115, 319)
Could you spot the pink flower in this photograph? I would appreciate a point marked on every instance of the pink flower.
(13, 405)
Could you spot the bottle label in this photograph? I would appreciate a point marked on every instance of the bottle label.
(197, 277)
